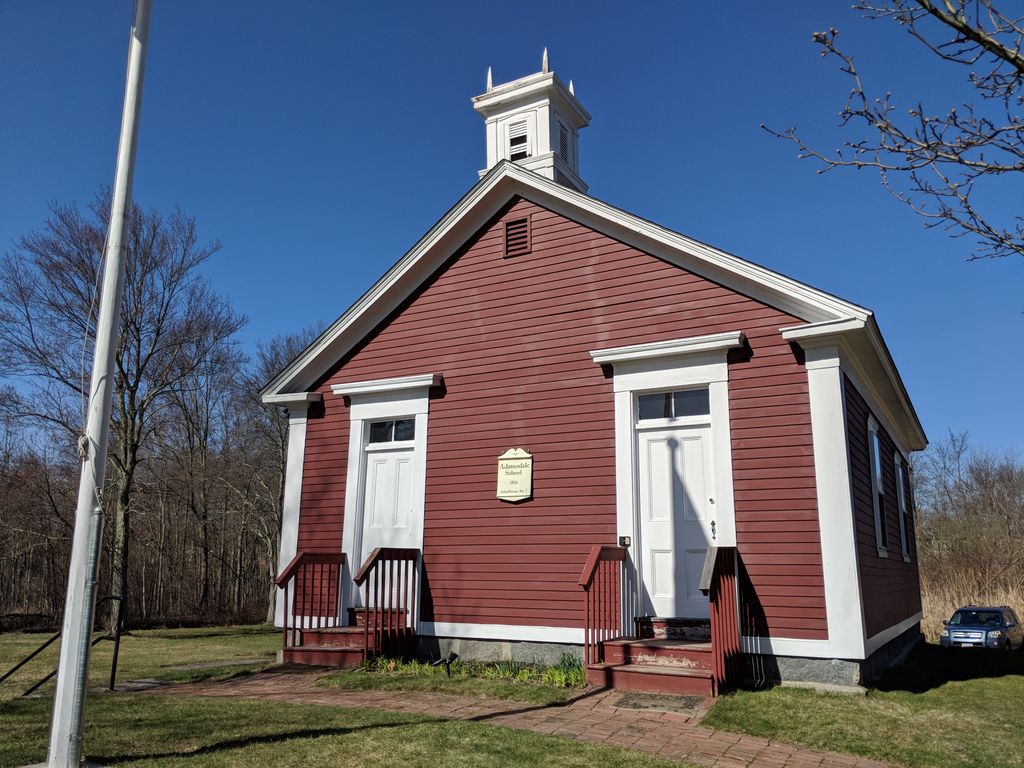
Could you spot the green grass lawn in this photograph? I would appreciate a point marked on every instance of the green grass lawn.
(948, 708)
(130, 729)
(145, 654)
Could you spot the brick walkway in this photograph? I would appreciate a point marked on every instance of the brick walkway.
(592, 718)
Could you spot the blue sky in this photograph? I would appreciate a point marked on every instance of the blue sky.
(318, 140)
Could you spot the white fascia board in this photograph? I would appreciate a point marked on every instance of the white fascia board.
(293, 399)
(715, 342)
(477, 206)
(398, 384)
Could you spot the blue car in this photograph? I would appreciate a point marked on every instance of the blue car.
(977, 627)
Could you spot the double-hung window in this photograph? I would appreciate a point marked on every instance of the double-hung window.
(877, 489)
(904, 510)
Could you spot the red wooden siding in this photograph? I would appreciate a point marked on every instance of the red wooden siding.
(889, 586)
(511, 335)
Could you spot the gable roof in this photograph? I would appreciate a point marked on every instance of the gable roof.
(507, 180)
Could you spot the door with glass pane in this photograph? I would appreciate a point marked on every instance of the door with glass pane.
(676, 505)
(387, 496)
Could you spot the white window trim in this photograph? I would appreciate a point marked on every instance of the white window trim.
(298, 408)
(374, 400)
(899, 467)
(664, 366)
(877, 487)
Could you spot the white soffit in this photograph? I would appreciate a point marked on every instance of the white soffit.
(504, 181)
(292, 399)
(716, 342)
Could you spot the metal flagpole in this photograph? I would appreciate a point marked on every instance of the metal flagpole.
(80, 604)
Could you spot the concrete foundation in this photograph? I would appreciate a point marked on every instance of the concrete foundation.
(761, 670)
(546, 654)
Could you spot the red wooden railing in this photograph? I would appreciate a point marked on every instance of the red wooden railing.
(602, 580)
(725, 627)
(390, 581)
(312, 593)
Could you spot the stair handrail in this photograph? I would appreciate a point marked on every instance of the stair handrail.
(600, 553)
(719, 578)
(393, 573)
(331, 560)
(307, 556)
(604, 590)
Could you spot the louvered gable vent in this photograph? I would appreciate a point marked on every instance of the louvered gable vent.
(517, 236)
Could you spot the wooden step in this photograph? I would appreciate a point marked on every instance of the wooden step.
(321, 656)
(336, 637)
(684, 654)
(674, 628)
(651, 678)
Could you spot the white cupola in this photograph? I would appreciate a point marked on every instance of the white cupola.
(535, 121)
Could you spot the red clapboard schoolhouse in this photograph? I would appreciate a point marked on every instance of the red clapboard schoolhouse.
(555, 426)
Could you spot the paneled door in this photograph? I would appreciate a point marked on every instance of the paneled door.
(676, 515)
(387, 494)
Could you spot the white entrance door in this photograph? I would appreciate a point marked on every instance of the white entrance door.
(387, 493)
(676, 516)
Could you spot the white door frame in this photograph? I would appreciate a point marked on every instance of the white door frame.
(403, 397)
(663, 366)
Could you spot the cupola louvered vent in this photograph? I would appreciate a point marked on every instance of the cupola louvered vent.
(517, 236)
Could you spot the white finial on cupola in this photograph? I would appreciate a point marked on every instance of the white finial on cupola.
(534, 122)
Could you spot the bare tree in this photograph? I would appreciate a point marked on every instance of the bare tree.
(271, 425)
(941, 164)
(171, 323)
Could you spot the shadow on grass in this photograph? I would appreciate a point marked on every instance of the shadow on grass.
(929, 666)
(247, 741)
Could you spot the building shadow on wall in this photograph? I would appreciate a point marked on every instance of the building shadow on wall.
(759, 670)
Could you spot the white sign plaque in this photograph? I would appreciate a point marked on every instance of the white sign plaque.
(515, 475)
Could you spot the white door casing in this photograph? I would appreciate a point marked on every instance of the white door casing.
(398, 398)
(665, 366)
(677, 524)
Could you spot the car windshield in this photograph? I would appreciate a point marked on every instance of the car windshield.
(977, 619)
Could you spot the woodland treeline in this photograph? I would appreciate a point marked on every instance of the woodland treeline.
(970, 528)
(195, 469)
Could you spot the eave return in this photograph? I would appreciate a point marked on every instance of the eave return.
(319, 630)
(680, 656)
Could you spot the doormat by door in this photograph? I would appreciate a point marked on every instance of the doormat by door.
(683, 705)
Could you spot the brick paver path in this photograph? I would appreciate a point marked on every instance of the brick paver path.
(592, 717)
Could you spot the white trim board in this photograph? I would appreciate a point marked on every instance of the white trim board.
(382, 399)
(514, 632)
(694, 361)
(844, 608)
(292, 500)
(878, 640)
